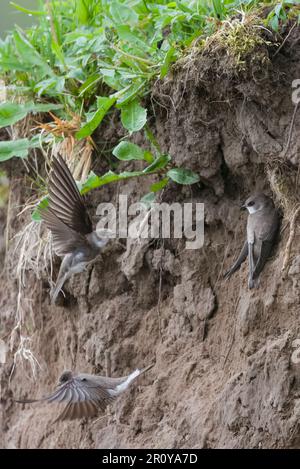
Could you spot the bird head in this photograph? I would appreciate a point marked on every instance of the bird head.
(66, 376)
(257, 202)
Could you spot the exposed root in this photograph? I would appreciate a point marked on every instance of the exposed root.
(143, 229)
(233, 332)
(3, 96)
(284, 183)
(24, 353)
(287, 251)
(160, 289)
(3, 351)
(30, 253)
(290, 132)
(285, 40)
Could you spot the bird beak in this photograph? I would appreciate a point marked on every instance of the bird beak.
(243, 207)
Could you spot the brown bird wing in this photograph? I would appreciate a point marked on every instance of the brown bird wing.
(266, 235)
(83, 398)
(65, 239)
(83, 394)
(264, 253)
(65, 199)
(267, 226)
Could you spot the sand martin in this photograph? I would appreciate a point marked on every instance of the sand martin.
(67, 218)
(83, 395)
(262, 227)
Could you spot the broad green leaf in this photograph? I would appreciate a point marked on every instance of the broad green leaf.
(183, 176)
(130, 92)
(103, 104)
(126, 33)
(10, 113)
(274, 22)
(50, 86)
(123, 14)
(129, 174)
(170, 57)
(29, 55)
(133, 116)
(113, 81)
(160, 163)
(14, 65)
(107, 72)
(148, 156)
(183, 7)
(89, 82)
(157, 186)
(41, 107)
(148, 199)
(279, 11)
(18, 148)
(95, 181)
(90, 183)
(128, 151)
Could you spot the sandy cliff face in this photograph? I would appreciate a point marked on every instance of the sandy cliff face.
(224, 375)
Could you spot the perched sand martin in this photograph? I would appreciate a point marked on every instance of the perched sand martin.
(262, 227)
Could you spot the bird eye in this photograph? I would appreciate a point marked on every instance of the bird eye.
(83, 379)
(250, 203)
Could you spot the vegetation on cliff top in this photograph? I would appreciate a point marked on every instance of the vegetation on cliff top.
(85, 58)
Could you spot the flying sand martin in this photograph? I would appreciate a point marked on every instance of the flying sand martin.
(68, 220)
(262, 228)
(83, 395)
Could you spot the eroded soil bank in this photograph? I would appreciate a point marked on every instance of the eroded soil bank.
(223, 377)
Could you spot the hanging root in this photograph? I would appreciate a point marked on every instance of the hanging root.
(24, 353)
(284, 184)
(286, 258)
(31, 252)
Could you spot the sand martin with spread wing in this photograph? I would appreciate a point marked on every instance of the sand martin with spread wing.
(262, 228)
(67, 218)
(83, 395)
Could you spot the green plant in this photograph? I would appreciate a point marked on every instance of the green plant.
(86, 58)
(281, 12)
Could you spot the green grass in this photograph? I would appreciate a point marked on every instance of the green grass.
(93, 56)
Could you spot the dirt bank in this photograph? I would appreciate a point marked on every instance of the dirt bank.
(223, 375)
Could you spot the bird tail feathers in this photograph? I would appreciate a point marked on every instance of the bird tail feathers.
(123, 386)
(58, 287)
